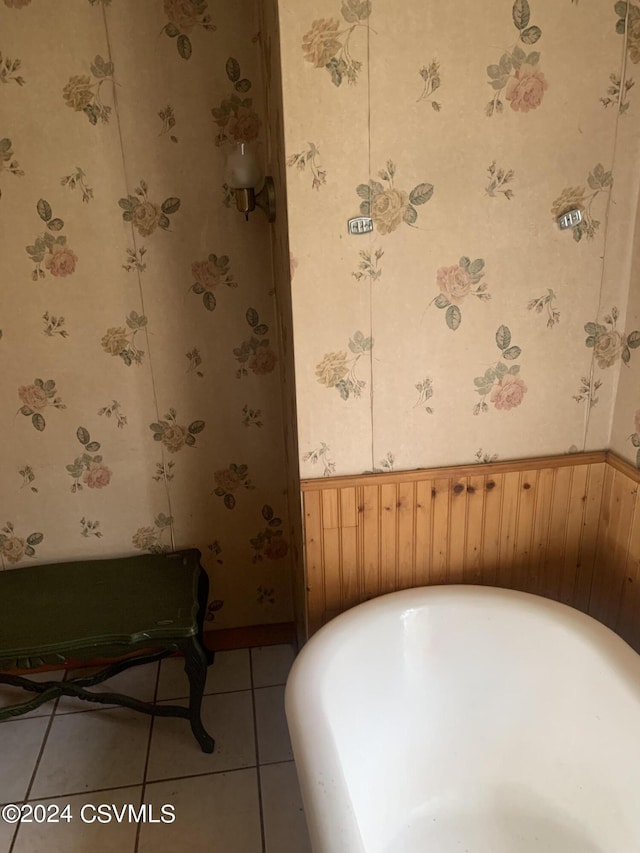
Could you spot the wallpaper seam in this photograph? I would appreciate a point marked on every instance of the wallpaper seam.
(140, 288)
(616, 375)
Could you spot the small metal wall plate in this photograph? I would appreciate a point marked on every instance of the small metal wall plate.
(570, 219)
(360, 225)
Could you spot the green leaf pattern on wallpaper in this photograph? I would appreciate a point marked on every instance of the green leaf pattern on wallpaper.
(455, 283)
(321, 455)
(229, 480)
(328, 43)
(210, 274)
(338, 369)
(309, 156)
(9, 70)
(517, 71)
(38, 397)
(389, 206)
(622, 10)
(634, 438)
(600, 182)
(269, 543)
(184, 16)
(15, 548)
(83, 94)
(254, 353)
(58, 258)
(432, 81)
(236, 117)
(501, 382)
(7, 157)
(175, 436)
(151, 538)
(608, 343)
(87, 469)
(147, 215)
(121, 340)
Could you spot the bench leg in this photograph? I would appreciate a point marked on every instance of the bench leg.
(195, 666)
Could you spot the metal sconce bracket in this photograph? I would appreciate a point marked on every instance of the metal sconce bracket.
(247, 200)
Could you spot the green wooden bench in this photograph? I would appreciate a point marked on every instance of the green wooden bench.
(145, 608)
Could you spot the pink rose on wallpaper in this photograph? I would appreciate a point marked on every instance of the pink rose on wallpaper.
(526, 88)
(33, 396)
(97, 476)
(14, 548)
(508, 393)
(263, 361)
(388, 209)
(61, 260)
(206, 273)
(276, 549)
(321, 42)
(182, 14)
(174, 437)
(454, 282)
(146, 217)
(244, 125)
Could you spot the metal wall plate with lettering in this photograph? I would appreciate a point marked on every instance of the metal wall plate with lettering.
(570, 219)
(360, 225)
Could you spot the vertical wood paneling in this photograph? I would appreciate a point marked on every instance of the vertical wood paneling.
(628, 624)
(388, 537)
(423, 520)
(312, 502)
(552, 563)
(544, 496)
(474, 530)
(613, 547)
(457, 529)
(406, 535)
(524, 533)
(371, 540)
(508, 528)
(351, 593)
(589, 537)
(569, 531)
(493, 487)
(439, 531)
(575, 526)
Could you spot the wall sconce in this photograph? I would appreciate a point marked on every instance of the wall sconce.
(243, 176)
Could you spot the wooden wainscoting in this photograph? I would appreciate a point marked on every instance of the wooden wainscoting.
(566, 527)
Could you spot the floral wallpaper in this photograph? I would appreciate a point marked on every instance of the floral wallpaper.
(139, 350)
(464, 131)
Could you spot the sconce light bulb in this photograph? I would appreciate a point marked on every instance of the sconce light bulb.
(243, 171)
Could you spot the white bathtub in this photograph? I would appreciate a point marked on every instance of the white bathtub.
(462, 718)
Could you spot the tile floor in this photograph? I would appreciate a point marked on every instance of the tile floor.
(244, 798)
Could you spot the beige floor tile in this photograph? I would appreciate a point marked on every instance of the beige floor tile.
(76, 836)
(214, 814)
(228, 717)
(96, 749)
(229, 671)
(273, 734)
(138, 682)
(271, 664)
(13, 695)
(285, 828)
(20, 742)
(7, 832)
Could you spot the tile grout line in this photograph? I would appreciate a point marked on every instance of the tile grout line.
(146, 761)
(36, 766)
(257, 748)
